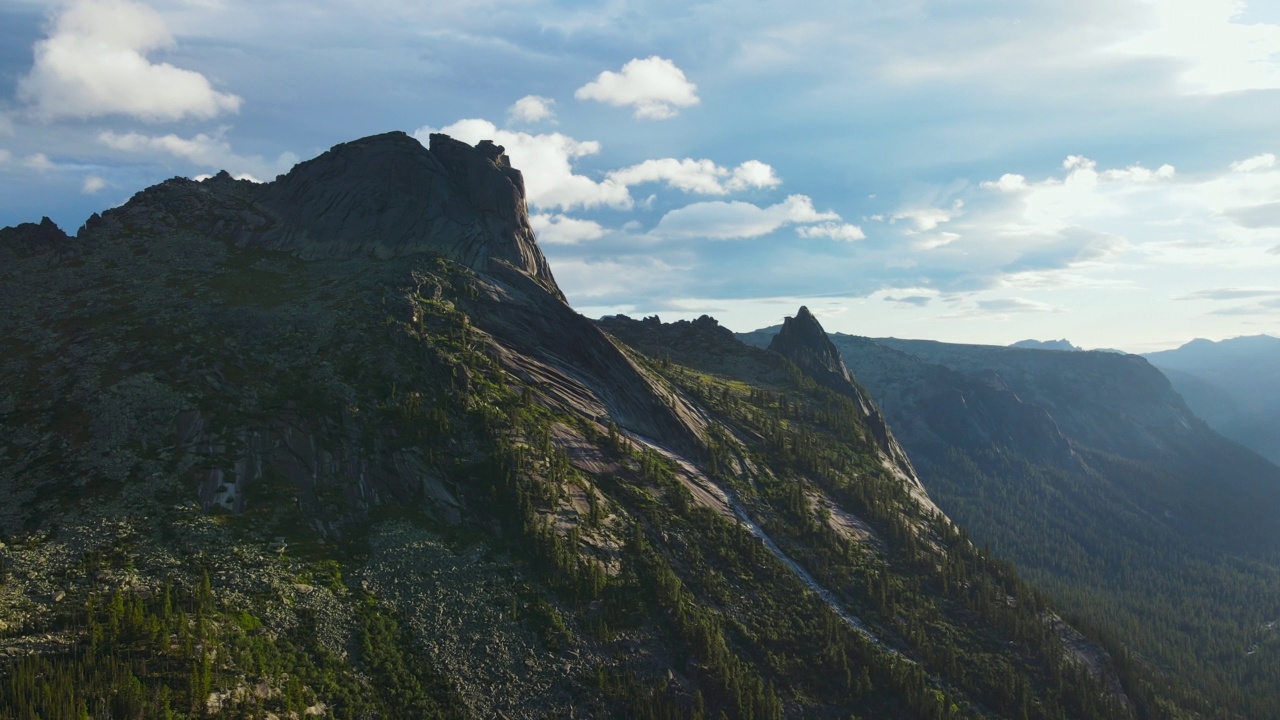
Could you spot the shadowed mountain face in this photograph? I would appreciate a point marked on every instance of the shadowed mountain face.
(1091, 473)
(1233, 384)
(336, 445)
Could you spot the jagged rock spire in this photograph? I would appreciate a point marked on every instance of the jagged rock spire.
(803, 341)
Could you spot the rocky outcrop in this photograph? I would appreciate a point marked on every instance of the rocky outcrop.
(578, 367)
(803, 341)
(386, 196)
(32, 238)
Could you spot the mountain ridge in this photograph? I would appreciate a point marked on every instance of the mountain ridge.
(1093, 474)
(254, 434)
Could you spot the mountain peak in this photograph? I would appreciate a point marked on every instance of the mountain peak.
(387, 195)
(803, 341)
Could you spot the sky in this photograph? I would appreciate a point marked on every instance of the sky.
(987, 171)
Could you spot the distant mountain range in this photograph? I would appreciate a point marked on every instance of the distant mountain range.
(1046, 345)
(1233, 384)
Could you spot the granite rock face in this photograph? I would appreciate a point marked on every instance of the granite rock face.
(803, 341)
(388, 196)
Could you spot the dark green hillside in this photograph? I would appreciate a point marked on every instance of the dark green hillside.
(1090, 473)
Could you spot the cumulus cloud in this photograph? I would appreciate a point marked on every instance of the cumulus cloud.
(564, 230)
(203, 150)
(703, 177)
(92, 184)
(654, 86)
(720, 220)
(532, 108)
(1265, 161)
(1008, 183)
(1053, 204)
(95, 63)
(547, 163)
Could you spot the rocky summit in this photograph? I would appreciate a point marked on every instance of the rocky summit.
(336, 446)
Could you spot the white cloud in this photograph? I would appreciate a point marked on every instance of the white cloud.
(698, 176)
(532, 108)
(39, 162)
(1218, 49)
(928, 218)
(202, 150)
(654, 86)
(1265, 161)
(1054, 204)
(93, 184)
(5, 156)
(720, 220)
(1015, 305)
(6, 125)
(546, 162)
(753, 174)
(835, 231)
(1104, 225)
(564, 230)
(1009, 183)
(95, 63)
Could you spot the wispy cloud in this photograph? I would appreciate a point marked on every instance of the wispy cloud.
(206, 151)
(719, 220)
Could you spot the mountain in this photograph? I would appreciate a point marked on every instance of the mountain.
(1046, 345)
(1096, 479)
(335, 445)
(1233, 384)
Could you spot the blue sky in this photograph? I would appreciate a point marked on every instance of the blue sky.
(973, 172)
